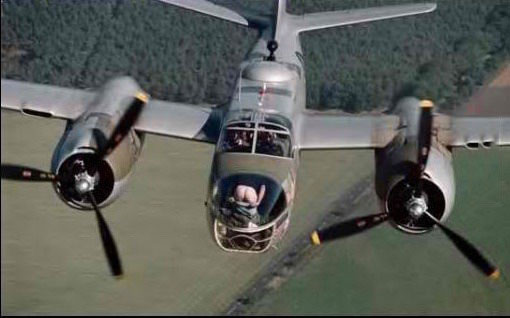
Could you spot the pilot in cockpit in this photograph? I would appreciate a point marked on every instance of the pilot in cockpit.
(238, 141)
(269, 143)
(243, 138)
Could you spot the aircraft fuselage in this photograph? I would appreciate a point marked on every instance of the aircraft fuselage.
(266, 101)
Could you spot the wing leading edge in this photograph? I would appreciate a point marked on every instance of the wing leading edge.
(321, 20)
(209, 8)
(181, 121)
(45, 100)
(342, 131)
(473, 131)
(158, 117)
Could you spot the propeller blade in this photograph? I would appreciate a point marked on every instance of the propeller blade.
(109, 245)
(347, 228)
(424, 143)
(21, 173)
(468, 250)
(124, 126)
(424, 134)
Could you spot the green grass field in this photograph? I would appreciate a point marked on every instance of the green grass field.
(384, 271)
(52, 261)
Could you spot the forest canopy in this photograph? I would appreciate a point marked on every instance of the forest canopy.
(182, 56)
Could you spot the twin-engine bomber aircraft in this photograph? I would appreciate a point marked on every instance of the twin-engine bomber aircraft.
(258, 134)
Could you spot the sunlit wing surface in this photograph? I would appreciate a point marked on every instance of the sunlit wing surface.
(469, 131)
(180, 120)
(314, 21)
(330, 131)
(209, 8)
(45, 100)
(158, 117)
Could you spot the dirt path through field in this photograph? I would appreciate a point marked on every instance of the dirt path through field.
(377, 271)
(492, 99)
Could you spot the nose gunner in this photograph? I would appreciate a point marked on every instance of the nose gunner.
(246, 200)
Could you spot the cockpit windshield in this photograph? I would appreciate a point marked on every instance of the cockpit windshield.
(272, 143)
(270, 136)
(238, 140)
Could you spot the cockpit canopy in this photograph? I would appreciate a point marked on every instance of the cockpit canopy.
(271, 71)
(269, 136)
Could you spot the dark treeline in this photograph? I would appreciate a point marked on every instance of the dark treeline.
(182, 56)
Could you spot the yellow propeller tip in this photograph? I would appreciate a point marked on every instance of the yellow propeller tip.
(426, 103)
(495, 274)
(315, 238)
(142, 96)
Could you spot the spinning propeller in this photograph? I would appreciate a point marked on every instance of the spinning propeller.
(424, 143)
(417, 207)
(85, 174)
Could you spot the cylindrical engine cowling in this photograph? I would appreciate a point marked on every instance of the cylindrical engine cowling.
(438, 188)
(78, 145)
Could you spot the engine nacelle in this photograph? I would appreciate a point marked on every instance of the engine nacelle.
(76, 149)
(394, 191)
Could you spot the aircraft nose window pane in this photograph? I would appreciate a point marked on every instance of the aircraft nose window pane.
(272, 143)
(239, 241)
(238, 141)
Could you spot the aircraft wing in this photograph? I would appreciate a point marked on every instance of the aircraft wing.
(208, 8)
(45, 100)
(472, 131)
(158, 117)
(341, 131)
(180, 120)
(321, 20)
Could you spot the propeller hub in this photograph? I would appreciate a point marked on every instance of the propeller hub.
(84, 183)
(416, 207)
